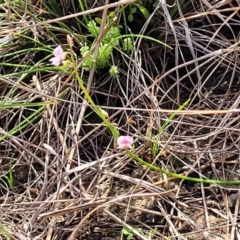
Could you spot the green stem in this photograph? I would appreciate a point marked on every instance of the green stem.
(180, 176)
(113, 130)
(172, 116)
(10, 177)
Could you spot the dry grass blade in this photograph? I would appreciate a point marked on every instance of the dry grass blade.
(69, 182)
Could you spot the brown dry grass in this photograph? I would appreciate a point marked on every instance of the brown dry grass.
(69, 183)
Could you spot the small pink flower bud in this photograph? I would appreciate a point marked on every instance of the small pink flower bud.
(125, 142)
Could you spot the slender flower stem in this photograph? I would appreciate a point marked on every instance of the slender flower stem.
(113, 130)
(180, 176)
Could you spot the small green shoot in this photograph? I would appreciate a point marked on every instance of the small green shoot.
(143, 10)
(133, 10)
(114, 71)
(151, 233)
(128, 233)
(5, 232)
(154, 148)
(9, 178)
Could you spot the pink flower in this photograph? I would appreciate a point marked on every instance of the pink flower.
(125, 142)
(58, 56)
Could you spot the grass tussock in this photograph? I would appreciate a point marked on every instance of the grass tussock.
(165, 73)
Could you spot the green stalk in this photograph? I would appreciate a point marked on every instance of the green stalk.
(10, 177)
(113, 130)
(180, 176)
(21, 104)
(82, 8)
(172, 116)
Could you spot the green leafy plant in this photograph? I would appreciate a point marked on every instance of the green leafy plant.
(107, 44)
(135, 8)
(128, 233)
(132, 11)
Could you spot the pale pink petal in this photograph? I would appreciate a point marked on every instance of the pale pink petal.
(58, 56)
(124, 146)
(56, 61)
(58, 51)
(125, 142)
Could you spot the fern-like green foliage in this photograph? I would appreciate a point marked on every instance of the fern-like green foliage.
(109, 41)
(104, 54)
(127, 44)
(93, 28)
(112, 34)
(89, 61)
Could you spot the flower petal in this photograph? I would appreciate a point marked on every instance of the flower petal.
(125, 141)
(56, 61)
(58, 51)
